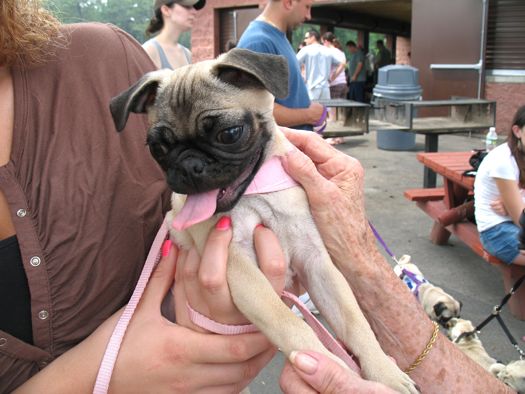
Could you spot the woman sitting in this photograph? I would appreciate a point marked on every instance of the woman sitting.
(500, 196)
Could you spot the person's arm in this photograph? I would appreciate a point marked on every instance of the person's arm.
(158, 355)
(338, 71)
(511, 198)
(290, 117)
(358, 69)
(334, 182)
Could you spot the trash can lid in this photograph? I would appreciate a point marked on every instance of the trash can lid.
(398, 82)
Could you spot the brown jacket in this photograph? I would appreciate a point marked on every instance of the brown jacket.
(86, 201)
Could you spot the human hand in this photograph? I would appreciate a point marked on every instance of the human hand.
(161, 356)
(498, 207)
(333, 183)
(202, 280)
(311, 372)
(315, 111)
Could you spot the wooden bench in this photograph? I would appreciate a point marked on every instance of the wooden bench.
(433, 205)
(425, 194)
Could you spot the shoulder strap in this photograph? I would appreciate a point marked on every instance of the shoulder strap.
(187, 53)
(164, 63)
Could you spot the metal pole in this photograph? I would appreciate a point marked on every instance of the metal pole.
(482, 45)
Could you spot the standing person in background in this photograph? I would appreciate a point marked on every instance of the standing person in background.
(318, 61)
(171, 19)
(499, 195)
(267, 34)
(383, 58)
(338, 86)
(356, 73)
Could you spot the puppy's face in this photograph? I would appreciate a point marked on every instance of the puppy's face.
(457, 326)
(439, 305)
(210, 123)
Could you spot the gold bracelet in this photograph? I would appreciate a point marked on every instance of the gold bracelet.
(425, 352)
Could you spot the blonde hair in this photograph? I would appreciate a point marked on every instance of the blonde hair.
(26, 32)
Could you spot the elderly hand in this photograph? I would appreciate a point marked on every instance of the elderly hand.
(311, 372)
(333, 183)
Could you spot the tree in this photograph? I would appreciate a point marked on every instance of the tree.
(130, 15)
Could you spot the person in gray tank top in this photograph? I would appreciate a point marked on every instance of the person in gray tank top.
(171, 19)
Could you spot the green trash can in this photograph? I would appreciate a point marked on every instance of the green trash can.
(397, 83)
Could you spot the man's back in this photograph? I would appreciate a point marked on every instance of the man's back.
(318, 61)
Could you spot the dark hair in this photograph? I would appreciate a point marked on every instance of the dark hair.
(230, 44)
(315, 33)
(380, 43)
(331, 38)
(351, 43)
(515, 145)
(156, 23)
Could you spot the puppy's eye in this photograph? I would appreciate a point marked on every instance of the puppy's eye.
(230, 135)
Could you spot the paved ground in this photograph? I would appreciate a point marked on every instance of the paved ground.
(405, 229)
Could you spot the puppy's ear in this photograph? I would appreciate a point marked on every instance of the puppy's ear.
(138, 98)
(245, 69)
(439, 308)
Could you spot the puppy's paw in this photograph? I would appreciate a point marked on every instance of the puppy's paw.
(387, 372)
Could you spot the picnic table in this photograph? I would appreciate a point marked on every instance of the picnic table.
(351, 118)
(456, 188)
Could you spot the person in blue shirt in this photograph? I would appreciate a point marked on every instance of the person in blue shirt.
(267, 34)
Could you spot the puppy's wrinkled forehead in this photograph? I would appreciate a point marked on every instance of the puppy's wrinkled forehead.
(237, 81)
(196, 91)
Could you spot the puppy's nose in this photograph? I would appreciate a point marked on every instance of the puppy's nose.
(194, 166)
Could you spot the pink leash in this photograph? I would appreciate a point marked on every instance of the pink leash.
(322, 333)
(110, 356)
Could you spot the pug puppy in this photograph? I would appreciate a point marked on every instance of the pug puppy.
(470, 344)
(211, 130)
(512, 374)
(437, 303)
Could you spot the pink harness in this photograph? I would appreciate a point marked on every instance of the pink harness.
(197, 208)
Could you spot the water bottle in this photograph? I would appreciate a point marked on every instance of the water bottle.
(491, 140)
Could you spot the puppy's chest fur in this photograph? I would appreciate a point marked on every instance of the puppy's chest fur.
(285, 212)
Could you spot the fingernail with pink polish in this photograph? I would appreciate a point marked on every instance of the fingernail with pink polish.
(166, 247)
(224, 223)
(304, 362)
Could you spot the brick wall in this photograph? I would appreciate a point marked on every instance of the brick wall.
(403, 46)
(205, 32)
(508, 96)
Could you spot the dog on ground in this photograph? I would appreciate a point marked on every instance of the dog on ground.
(438, 304)
(470, 344)
(211, 130)
(512, 374)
